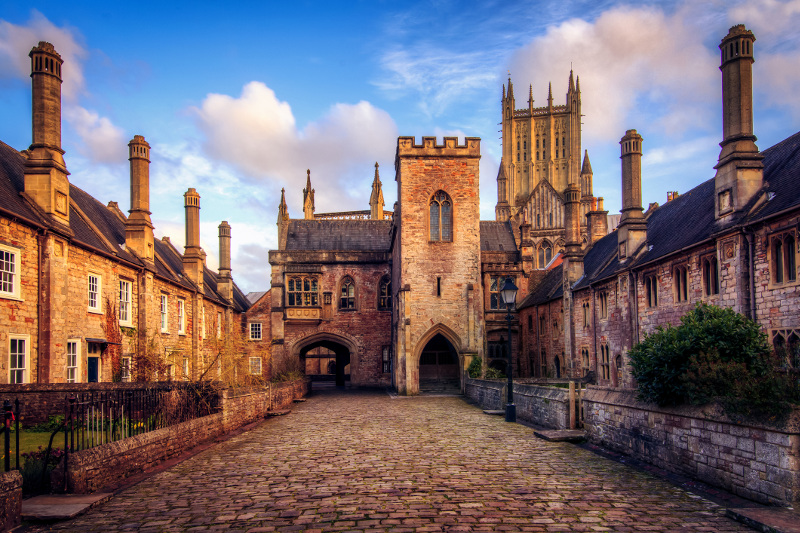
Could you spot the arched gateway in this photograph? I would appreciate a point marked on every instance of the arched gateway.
(334, 352)
(439, 365)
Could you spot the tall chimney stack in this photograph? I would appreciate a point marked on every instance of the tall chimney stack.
(573, 255)
(225, 282)
(632, 230)
(46, 173)
(193, 255)
(139, 227)
(740, 170)
(596, 221)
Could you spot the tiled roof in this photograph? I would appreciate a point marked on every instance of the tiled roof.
(550, 288)
(339, 235)
(12, 181)
(497, 237)
(782, 173)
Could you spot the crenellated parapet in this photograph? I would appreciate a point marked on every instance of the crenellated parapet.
(408, 147)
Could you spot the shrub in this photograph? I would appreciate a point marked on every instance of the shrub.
(715, 353)
(34, 480)
(474, 368)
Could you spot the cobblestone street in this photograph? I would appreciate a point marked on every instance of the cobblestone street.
(363, 461)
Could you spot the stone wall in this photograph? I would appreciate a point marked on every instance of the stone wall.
(91, 469)
(10, 500)
(753, 461)
(543, 406)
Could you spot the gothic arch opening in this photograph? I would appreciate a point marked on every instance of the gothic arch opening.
(439, 366)
(325, 358)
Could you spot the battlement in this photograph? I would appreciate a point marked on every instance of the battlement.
(540, 111)
(407, 147)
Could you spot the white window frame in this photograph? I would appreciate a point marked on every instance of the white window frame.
(95, 306)
(125, 368)
(254, 360)
(125, 296)
(11, 272)
(255, 333)
(164, 313)
(181, 316)
(76, 366)
(23, 377)
(185, 369)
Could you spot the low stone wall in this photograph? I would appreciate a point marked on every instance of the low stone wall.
(10, 500)
(91, 469)
(753, 461)
(544, 406)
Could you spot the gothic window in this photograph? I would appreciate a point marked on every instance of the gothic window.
(524, 145)
(585, 315)
(441, 211)
(784, 258)
(537, 155)
(543, 362)
(603, 304)
(524, 156)
(303, 291)
(556, 142)
(517, 144)
(550, 219)
(618, 370)
(605, 366)
(538, 217)
(544, 144)
(680, 279)
(495, 286)
(651, 290)
(786, 343)
(542, 325)
(347, 298)
(530, 322)
(545, 254)
(585, 360)
(386, 360)
(537, 143)
(385, 294)
(710, 279)
(517, 156)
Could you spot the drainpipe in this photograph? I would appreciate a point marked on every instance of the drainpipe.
(750, 236)
(42, 241)
(594, 330)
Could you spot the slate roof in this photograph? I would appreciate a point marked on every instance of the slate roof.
(253, 297)
(97, 226)
(550, 288)
(497, 237)
(339, 235)
(688, 220)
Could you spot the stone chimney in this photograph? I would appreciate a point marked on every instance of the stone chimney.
(740, 170)
(596, 221)
(225, 282)
(139, 227)
(46, 181)
(376, 202)
(632, 231)
(573, 254)
(193, 254)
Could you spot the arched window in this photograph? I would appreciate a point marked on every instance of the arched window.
(347, 298)
(545, 254)
(385, 294)
(441, 212)
(302, 292)
(784, 261)
(680, 283)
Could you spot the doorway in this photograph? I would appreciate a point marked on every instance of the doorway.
(438, 367)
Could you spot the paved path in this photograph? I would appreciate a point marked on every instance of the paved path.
(366, 462)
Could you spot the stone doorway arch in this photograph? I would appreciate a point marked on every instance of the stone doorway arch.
(438, 364)
(338, 354)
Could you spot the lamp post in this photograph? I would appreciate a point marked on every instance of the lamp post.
(509, 295)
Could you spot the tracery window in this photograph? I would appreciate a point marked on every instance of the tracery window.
(585, 360)
(710, 279)
(347, 296)
(303, 291)
(603, 303)
(496, 284)
(545, 254)
(385, 294)
(441, 217)
(784, 258)
(605, 366)
(786, 343)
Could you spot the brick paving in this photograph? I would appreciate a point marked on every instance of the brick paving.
(362, 461)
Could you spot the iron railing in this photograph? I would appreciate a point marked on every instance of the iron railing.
(11, 415)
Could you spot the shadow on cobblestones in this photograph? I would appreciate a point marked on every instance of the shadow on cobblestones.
(362, 461)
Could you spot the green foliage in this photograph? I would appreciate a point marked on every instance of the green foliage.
(494, 373)
(715, 353)
(34, 479)
(474, 368)
(53, 423)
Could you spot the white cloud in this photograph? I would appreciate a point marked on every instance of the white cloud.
(102, 141)
(765, 17)
(256, 133)
(628, 60)
(437, 78)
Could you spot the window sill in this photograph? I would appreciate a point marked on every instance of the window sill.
(9, 296)
(126, 324)
(95, 311)
(782, 285)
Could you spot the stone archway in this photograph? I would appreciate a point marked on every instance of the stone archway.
(337, 352)
(437, 365)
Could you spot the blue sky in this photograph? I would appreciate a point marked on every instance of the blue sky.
(239, 101)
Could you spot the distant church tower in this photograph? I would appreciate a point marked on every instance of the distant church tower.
(541, 158)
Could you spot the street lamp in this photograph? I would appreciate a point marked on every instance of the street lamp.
(509, 295)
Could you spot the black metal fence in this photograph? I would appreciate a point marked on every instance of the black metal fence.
(11, 417)
(95, 418)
